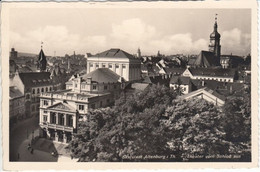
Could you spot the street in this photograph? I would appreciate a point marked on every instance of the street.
(19, 142)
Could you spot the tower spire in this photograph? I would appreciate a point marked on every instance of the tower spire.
(41, 44)
(216, 22)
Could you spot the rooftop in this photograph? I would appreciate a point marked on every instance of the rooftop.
(31, 79)
(14, 93)
(102, 75)
(115, 52)
(212, 72)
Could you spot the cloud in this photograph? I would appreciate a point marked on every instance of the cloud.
(179, 43)
(127, 35)
(133, 33)
(236, 42)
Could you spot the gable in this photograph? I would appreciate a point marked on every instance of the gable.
(187, 73)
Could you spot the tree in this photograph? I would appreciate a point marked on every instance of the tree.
(195, 127)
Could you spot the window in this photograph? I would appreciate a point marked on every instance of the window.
(103, 65)
(76, 85)
(93, 106)
(70, 121)
(33, 91)
(90, 64)
(94, 87)
(42, 90)
(45, 111)
(46, 89)
(53, 118)
(28, 96)
(45, 103)
(38, 91)
(105, 87)
(101, 103)
(124, 66)
(117, 66)
(81, 107)
(50, 88)
(45, 118)
(61, 121)
(184, 89)
(97, 65)
(110, 66)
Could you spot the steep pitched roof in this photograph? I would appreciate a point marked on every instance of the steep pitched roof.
(174, 71)
(35, 78)
(101, 75)
(206, 91)
(14, 93)
(115, 52)
(42, 56)
(212, 72)
(180, 79)
(163, 80)
(205, 59)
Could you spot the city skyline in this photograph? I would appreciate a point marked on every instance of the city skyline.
(64, 31)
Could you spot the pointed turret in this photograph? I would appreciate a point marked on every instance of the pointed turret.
(42, 62)
(214, 45)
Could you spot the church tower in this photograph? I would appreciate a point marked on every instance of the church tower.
(42, 62)
(214, 45)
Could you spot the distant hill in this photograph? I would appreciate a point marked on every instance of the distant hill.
(20, 54)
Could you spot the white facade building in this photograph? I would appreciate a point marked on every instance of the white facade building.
(119, 61)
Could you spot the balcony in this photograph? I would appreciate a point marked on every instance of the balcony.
(57, 127)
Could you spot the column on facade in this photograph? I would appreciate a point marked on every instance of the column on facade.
(114, 67)
(64, 137)
(41, 116)
(94, 66)
(49, 117)
(65, 119)
(74, 121)
(57, 118)
(121, 69)
(56, 135)
(127, 71)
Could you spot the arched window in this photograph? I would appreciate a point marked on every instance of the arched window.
(33, 91)
(50, 89)
(38, 91)
(46, 89)
(42, 90)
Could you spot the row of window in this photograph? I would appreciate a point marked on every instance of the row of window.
(38, 90)
(224, 80)
(61, 120)
(104, 65)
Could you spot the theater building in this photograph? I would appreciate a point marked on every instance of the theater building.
(61, 110)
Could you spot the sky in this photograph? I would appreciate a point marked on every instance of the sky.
(170, 31)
